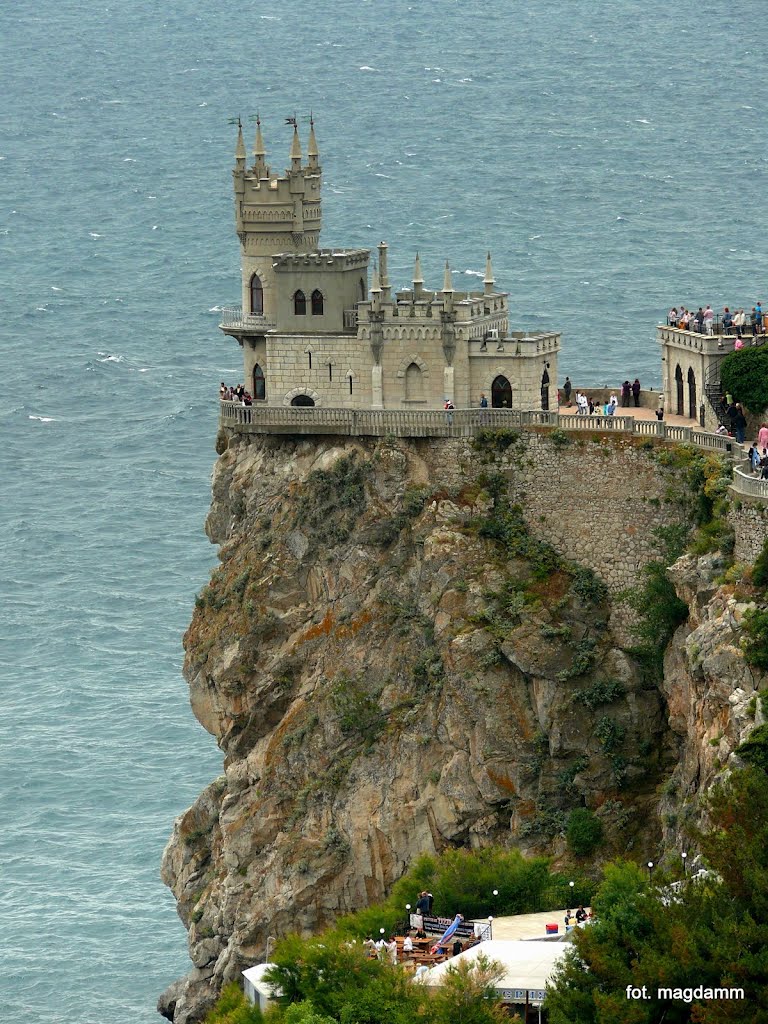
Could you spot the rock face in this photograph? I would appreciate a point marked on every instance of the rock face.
(392, 661)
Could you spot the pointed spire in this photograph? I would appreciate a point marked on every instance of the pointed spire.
(418, 277)
(488, 280)
(447, 282)
(259, 153)
(295, 149)
(240, 148)
(312, 152)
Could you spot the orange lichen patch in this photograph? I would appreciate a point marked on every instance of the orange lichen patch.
(519, 714)
(502, 781)
(353, 627)
(526, 808)
(323, 628)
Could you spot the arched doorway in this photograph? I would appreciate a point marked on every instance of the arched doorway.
(501, 393)
(259, 384)
(691, 394)
(302, 400)
(545, 391)
(679, 383)
(257, 295)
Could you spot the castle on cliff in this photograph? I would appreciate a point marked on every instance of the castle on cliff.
(316, 332)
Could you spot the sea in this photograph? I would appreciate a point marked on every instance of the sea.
(612, 157)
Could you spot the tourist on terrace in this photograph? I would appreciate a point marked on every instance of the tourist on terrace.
(698, 320)
(672, 317)
(422, 904)
(739, 423)
(739, 319)
(764, 465)
(392, 951)
(709, 317)
(759, 317)
(567, 388)
(685, 319)
(581, 915)
(727, 320)
(762, 436)
(612, 403)
(626, 391)
(408, 944)
(636, 392)
(223, 392)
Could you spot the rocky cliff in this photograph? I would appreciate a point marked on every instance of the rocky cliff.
(406, 646)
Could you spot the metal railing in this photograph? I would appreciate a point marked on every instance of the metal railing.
(234, 318)
(749, 330)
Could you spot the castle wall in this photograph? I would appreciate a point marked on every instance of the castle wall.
(749, 520)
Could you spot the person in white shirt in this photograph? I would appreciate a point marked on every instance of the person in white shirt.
(709, 316)
(407, 944)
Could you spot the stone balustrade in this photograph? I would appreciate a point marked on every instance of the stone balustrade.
(749, 486)
(265, 419)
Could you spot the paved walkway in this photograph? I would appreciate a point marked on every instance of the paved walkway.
(528, 926)
(639, 414)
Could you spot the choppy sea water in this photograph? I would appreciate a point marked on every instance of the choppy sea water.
(610, 155)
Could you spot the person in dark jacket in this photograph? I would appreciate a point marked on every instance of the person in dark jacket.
(636, 392)
(740, 424)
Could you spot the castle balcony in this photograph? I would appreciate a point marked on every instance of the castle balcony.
(716, 344)
(350, 320)
(237, 323)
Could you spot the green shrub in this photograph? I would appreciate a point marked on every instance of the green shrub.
(745, 375)
(584, 832)
(559, 438)
(660, 613)
(754, 750)
(233, 1008)
(755, 637)
(603, 691)
(760, 569)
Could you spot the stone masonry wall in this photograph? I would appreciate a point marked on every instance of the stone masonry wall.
(598, 502)
(750, 523)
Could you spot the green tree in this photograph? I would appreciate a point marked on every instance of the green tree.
(305, 1013)
(713, 932)
(745, 375)
(468, 994)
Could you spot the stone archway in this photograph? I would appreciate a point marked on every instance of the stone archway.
(302, 400)
(501, 393)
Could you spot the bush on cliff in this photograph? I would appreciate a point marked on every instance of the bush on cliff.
(233, 1008)
(660, 612)
(584, 832)
(744, 374)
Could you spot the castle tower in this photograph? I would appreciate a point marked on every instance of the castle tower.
(274, 214)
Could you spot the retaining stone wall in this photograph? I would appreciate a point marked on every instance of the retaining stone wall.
(750, 523)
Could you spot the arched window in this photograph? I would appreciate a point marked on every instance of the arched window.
(259, 384)
(679, 383)
(299, 304)
(414, 383)
(362, 290)
(501, 393)
(317, 303)
(691, 394)
(545, 391)
(302, 400)
(257, 295)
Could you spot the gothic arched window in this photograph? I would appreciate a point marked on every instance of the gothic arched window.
(317, 303)
(257, 295)
(299, 303)
(414, 382)
(259, 384)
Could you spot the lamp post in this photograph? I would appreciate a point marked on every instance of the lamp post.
(490, 927)
(684, 856)
(571, 886)
(407, 918)
(495, 897)
(650, 870)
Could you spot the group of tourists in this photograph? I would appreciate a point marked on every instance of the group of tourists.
(237, 395)
(758, 453)
(587, 406)
(735, 321)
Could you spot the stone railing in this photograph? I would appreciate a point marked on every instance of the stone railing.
(749, 486)
(265, 419)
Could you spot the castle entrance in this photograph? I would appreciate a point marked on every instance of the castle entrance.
(501, 393)
(302, 400)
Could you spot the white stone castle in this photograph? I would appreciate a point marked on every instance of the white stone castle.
(315, 332)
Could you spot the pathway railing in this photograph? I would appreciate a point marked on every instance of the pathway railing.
(264, 419)
(748, 485)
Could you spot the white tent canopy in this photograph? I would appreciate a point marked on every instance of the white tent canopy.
(528, 966)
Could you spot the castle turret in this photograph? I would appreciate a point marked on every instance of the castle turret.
(273, 215)
(383, 273)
